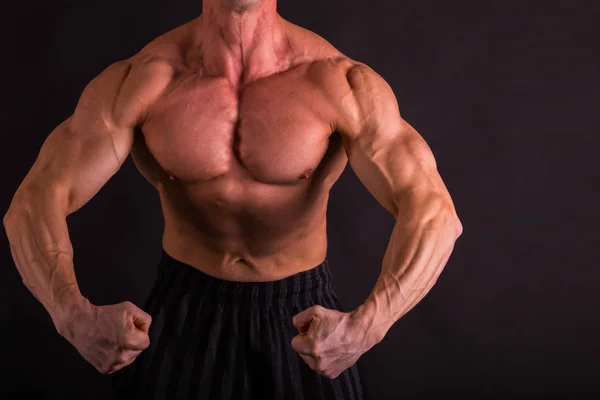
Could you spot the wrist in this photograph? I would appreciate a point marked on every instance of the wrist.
(366, 317)
(68, 305)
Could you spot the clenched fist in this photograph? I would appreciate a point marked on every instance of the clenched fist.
(330, 341)
(109, 337)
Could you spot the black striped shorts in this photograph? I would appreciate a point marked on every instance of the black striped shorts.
(217, 339)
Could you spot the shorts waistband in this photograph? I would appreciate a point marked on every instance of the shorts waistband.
(316, 279)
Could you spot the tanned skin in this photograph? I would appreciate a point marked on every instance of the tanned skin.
(242, 121)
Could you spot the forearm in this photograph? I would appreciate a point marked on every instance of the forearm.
(420, 245)
(37, 231)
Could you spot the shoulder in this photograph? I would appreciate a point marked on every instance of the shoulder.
(368, 90)
(335, 72)
(127, 88)
(124, 90)
(360, 96)
(311, 48)
(348, 83)
(356, 91)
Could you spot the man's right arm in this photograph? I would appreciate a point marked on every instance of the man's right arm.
(74, 162)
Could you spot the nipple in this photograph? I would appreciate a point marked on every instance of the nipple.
(306, 174)
(171, 177)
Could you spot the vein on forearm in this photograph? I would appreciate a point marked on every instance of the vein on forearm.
(420, 245)
(42, 251)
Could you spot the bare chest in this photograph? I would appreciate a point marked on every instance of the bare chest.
(275, 130)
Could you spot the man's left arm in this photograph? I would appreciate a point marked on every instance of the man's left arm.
(397, 167)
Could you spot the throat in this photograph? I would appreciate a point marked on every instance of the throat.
(243, 47)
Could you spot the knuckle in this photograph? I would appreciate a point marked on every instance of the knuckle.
(315, 349)
(319, 309)
(125, 313)
(128, 307)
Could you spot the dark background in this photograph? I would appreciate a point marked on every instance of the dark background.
(505, 93)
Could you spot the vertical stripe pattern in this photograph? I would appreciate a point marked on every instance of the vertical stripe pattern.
(213, 339)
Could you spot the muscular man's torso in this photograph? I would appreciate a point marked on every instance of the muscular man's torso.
(243, 169)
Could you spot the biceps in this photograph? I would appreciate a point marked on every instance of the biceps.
(75, 164)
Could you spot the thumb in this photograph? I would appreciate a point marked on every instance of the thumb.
(138, 338)
(302, 320)
(142, 321)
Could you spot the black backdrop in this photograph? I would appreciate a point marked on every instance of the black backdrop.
(505, 93)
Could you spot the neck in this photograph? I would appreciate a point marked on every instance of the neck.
(240, 43)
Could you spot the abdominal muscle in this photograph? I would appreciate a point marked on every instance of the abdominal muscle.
(240, 246)
(225, 259)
